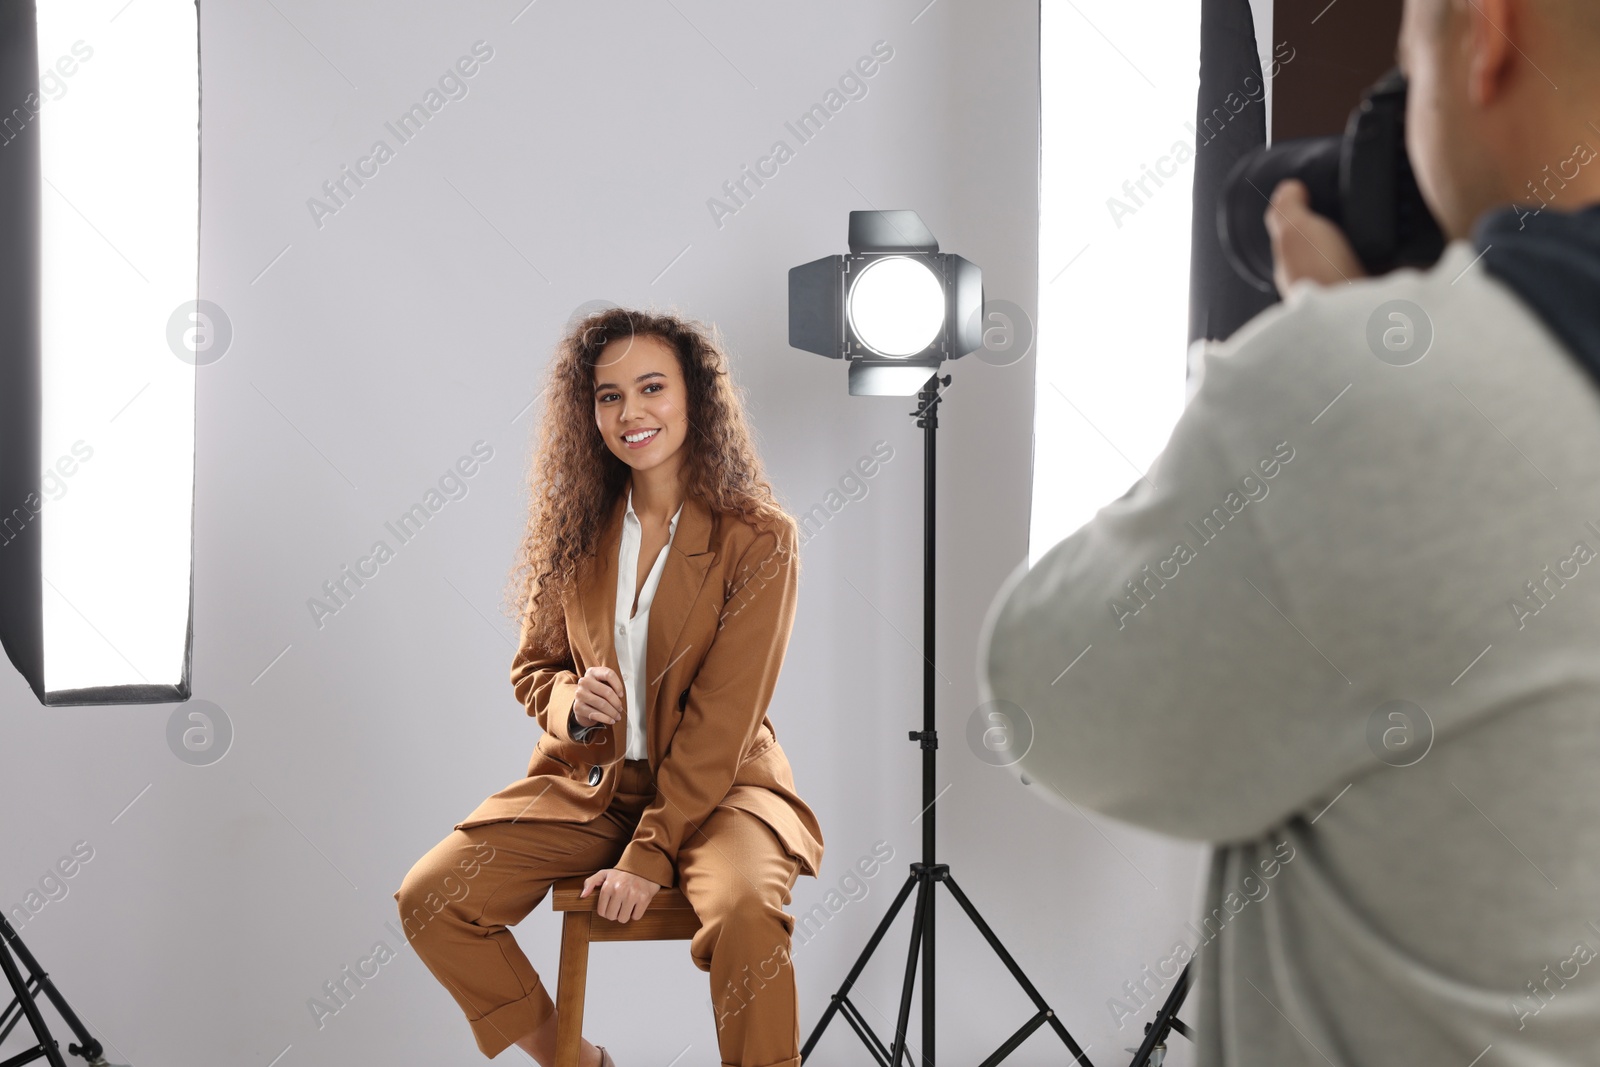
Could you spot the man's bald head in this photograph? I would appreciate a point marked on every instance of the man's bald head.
(1500, 89)
(1570, 12)
(1577, 17)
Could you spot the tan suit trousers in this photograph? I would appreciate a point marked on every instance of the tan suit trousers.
(458, 899)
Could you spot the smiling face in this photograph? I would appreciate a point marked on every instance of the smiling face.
(639, 387)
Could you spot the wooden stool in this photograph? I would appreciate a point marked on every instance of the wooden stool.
(668, 918)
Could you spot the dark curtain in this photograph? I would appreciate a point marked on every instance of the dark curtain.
(1230, 76)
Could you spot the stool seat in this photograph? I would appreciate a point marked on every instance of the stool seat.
(669, 917)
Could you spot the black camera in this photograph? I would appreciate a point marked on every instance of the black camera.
(1362, 181)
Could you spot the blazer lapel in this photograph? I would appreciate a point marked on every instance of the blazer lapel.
(597, 588)
(689, 556)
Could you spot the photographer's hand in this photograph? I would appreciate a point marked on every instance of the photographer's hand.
(1306, 246)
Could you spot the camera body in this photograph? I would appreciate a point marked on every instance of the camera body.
(1362, 181)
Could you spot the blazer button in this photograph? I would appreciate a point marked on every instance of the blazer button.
(594, 775)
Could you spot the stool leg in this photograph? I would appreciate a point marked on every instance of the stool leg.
(570, 987)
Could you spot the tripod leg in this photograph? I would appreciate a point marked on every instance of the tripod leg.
(1079, 1056)
(924, 897)
(1166, 1018)
(928, 974)
(852, 1015)
(90, 1049)
(41, 1033)
(860, 964)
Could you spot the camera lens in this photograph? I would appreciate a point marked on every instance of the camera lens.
(1241, 211)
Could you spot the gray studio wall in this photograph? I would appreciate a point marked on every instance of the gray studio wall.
(374, 346)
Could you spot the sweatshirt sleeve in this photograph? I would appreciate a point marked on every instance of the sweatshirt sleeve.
(727, 702)
(1150, 665)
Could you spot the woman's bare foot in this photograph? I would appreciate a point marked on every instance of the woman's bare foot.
(541, 1045)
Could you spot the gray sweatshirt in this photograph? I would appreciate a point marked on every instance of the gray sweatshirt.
(1348, 629)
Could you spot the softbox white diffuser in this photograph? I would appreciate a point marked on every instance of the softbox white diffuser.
(99, 258)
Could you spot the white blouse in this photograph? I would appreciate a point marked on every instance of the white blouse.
(630, 635)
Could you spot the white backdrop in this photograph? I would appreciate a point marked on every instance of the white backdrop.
(382, 335)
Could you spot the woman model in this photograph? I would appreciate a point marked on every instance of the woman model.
(657, 584)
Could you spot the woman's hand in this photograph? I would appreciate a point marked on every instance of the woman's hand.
(623, 896)
(599, 698)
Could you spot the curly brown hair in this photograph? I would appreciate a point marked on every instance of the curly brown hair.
(575, 479)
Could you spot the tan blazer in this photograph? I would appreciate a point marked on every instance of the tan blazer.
(719, 627)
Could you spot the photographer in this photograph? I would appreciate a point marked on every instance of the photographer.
(1354, 606)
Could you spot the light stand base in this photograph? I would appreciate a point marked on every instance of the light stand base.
(924, 877)
(25, 1005)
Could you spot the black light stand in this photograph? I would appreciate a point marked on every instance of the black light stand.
(927, 873)
(1155, 1033)
(895, 309)
(25, 1005)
